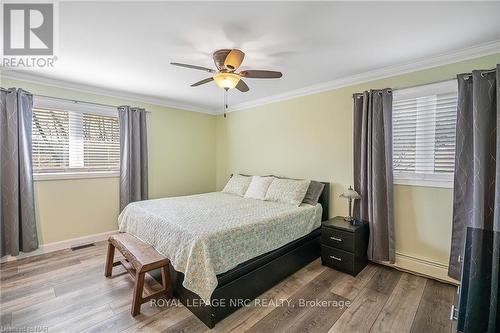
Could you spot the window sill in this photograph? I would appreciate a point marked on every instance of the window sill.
(75, 175)
(424, 183)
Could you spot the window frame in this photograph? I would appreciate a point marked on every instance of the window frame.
(444, 180)
(82, 107)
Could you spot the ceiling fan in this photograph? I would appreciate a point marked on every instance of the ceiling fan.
(227, 62)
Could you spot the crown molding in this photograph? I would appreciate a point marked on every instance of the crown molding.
(133, 97)
(385, 72)
(382, 73)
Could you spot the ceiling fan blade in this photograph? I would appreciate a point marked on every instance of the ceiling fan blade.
(260, 74)
(234, 59)
(242, 86)
(193, 67)
(199, 83)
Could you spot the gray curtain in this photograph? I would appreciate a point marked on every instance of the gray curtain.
(476, 196)
(476, 205)
(133, 155)
(373, 170)
(17, 209)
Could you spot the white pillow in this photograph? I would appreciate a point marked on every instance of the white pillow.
(258, 187)
(237, 184)
(289, 191)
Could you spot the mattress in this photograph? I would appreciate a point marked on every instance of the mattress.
(208, 234)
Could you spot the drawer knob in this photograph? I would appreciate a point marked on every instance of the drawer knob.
(336, 239)
(336, 258)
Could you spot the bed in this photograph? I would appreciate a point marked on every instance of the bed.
(227, 249)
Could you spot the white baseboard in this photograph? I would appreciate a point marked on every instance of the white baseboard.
(65, 244)
(425, 267)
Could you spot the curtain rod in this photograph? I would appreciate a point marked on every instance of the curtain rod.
(73, 100)
(358, 95)
(467, 76)
(379, 92)
(82, 102)
(76, 101)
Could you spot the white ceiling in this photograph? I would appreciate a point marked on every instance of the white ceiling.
(127, 46)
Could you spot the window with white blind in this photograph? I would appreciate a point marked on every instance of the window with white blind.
(74, 140)
(424, 121)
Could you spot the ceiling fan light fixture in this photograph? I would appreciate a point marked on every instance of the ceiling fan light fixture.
(226, 80)
(227, 62)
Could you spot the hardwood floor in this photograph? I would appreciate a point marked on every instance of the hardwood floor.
(66, 291)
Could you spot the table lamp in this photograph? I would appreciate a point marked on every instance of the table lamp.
(350, 195)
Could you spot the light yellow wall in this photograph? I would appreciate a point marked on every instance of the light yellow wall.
(73, 208)
(181, 147)
(308, 137)
(311, 137)
(423, 222)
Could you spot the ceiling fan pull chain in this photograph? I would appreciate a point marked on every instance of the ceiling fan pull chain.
(225, 102)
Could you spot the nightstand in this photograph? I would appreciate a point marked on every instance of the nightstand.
(344, 246)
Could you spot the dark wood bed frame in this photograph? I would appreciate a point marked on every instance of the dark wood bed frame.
(250, 279)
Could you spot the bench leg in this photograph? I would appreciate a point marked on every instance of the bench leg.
(138, 288)
(109, 260)
(165, 280)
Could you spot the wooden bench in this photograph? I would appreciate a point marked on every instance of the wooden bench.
(140, 258)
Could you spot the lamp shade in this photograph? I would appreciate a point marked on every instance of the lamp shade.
(226, 80)
(350, 194)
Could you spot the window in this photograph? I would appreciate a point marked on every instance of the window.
(74, 140)
(424, 120)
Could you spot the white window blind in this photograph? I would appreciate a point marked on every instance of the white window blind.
(424, 121)
(74, 139)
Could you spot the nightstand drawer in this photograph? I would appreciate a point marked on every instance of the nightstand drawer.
(338, 239)
(337, 259)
